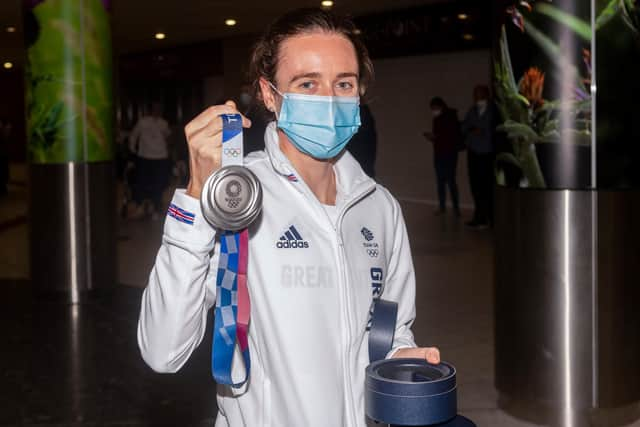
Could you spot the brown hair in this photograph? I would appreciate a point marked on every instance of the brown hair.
(264, 58)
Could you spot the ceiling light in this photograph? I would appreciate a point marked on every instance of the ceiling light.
(11, 29)
(326, 3)
(8, 65)
(357, 31)
(468, 36)
(463, 16)
(230, 22)
(160, 36)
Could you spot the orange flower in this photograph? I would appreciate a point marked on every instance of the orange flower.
(531, 86)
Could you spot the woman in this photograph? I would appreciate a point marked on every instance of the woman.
(447, 139)
(310, 301)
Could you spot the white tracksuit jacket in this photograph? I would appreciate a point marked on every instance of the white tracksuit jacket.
(310, 301)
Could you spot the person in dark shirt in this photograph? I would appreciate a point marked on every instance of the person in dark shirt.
(446, 140)
(253, 137)
(364, 144)
(478, 129)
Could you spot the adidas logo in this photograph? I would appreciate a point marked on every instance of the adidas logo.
(292, 239)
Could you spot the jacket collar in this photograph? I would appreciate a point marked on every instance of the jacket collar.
(351, 180)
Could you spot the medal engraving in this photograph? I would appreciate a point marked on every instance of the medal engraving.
(231, 198)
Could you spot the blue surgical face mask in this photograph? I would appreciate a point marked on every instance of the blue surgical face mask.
(320, 126)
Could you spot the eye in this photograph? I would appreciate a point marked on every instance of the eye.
(346, 85)
(306, 85)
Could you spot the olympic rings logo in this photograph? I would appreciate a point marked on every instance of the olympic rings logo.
(232, 152)
(373, 253)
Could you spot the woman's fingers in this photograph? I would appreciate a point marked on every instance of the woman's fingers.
(430, 354)
(206, 117)
(211, 115)
(212, 128)
(204, 138)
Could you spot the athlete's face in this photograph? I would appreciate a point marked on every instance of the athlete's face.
(318, 63)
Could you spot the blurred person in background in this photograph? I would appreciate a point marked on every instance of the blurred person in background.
(253, 137)
(364, 144)
(5, 140)
(179, 154)
(308, 333)
(149, 142)
(447, 140)
(478, 130)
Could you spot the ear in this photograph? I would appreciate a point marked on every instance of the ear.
(267, 95)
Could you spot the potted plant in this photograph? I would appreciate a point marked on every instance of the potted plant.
(550, 138)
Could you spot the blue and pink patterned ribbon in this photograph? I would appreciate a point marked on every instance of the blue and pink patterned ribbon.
(233, 307)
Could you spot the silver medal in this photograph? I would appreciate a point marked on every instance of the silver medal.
(232, 196)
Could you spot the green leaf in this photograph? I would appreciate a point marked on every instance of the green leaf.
(515, 130)
(574, 106)
(608, 13)
(629, 15)
(499, 172)
(550, 137)
(553, 51)
(510, 102)
(501, 180)
(582, 123)
(580, 137)
(508, 158)
(505, 58)
(551, 127)
(531, 167)
(522, 99)
(579, 26)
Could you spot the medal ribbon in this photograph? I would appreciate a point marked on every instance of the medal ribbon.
(233, 307)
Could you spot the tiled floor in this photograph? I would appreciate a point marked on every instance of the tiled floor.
(79, 366)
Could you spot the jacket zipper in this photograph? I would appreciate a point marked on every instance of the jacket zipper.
(342, 264)
(345, 311)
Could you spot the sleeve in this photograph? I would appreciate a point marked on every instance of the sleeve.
(133, 137)
(486, 122)
(401, 284)
(436, 130)
(174, 305)
(166, 130)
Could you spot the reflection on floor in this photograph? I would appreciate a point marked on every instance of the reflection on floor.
(79, 366)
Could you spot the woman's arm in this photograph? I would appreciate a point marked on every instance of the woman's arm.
(401, 287)
(175, 303)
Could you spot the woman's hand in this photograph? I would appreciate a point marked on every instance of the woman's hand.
(430, 354)
(204, 138)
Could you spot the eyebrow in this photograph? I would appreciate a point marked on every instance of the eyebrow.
(318, 75)
(343, 75)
